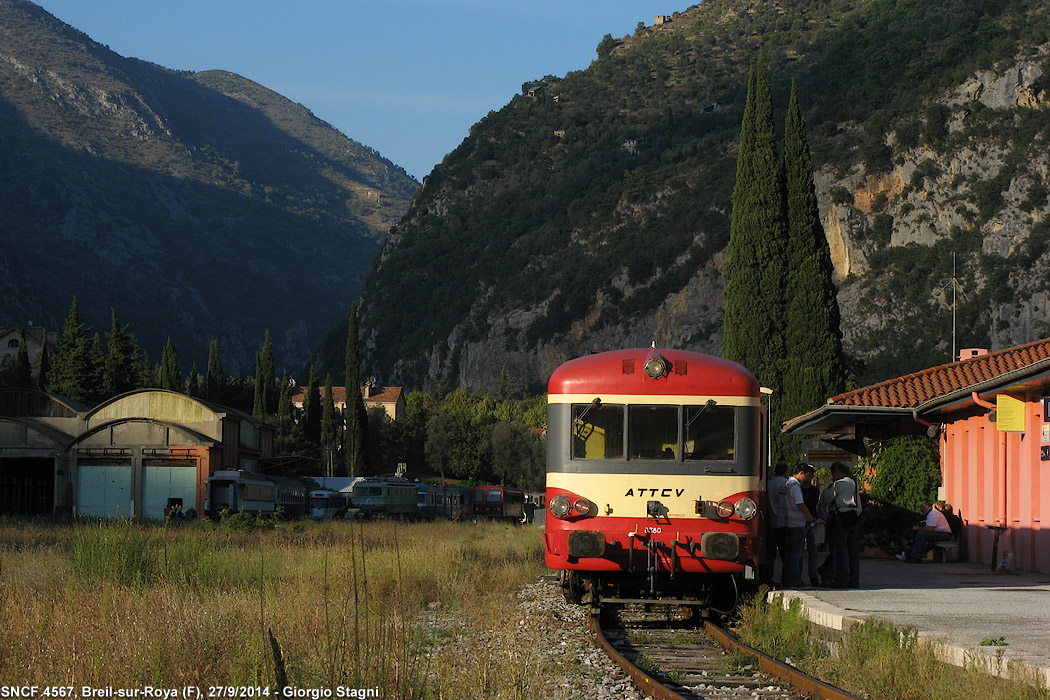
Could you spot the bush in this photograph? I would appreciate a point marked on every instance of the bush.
(907, 471)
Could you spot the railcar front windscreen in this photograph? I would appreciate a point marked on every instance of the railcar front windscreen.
(685, 435)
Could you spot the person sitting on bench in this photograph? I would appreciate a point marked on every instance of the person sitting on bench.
(935, 529)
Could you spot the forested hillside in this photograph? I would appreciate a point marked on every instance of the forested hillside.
(195, 204)
(592, 211)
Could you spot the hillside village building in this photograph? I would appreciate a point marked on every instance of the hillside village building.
(36, 338)
(129, 456)
(390, 398)
(990, 415)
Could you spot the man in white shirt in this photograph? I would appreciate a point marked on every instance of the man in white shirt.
(794, 518)
(936, 529)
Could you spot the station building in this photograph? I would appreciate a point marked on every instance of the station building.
(990, 414)
(129, 456)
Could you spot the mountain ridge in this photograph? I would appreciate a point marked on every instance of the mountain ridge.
(592, 211)
(204, 194)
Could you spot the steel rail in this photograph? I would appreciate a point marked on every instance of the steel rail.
(801, 682)
(645, 683)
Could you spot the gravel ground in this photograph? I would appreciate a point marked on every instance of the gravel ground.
(540, 649)
(588, 670)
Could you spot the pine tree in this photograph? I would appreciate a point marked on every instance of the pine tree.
(170, 375)
(193, 388)
(72, 371)
(214, 380)
(755, 265)
(312, 410)
(815, 366)
(355, 415)
(120, 371)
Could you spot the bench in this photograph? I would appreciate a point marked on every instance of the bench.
(948, 550)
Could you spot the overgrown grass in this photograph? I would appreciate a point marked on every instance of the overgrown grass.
(123, 604)
(875, 660)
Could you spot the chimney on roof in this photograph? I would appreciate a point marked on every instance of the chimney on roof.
(370, 386)
(967, 353)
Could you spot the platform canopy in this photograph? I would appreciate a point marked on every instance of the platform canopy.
(915, 403)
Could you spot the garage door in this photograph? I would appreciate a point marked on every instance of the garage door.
(159, 484)
(104, 491)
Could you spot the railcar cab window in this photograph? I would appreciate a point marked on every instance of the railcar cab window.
(652, 432)
(710, 433)
(597, 431)
(494, 496)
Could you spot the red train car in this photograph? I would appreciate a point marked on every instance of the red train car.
(654, 479)
(499, 503)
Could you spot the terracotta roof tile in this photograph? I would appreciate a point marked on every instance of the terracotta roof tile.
(386, 394)
(915, 389)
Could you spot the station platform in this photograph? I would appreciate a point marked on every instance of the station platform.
(953, 607)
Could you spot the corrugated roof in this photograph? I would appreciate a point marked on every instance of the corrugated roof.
(916, 389)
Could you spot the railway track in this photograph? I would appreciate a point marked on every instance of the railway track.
(669, 659)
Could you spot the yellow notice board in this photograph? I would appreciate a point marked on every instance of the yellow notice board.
(1009, 414)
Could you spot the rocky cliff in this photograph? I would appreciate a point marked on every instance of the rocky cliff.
(592, 210)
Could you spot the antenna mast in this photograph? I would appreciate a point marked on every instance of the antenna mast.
(954, 282)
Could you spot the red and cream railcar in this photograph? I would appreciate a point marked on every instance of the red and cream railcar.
(653, 477)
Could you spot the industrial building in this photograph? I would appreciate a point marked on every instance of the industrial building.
(130, 456)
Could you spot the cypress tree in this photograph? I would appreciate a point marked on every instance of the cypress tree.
(285, 409)
(355, 415)
(23, 371)
(214, 379)
(312, 410)
(170, 375)
(755, 276)
(257, 398)
(815, 366)
(266, 376)
(329, 426)
(72, 369)
(43, 366)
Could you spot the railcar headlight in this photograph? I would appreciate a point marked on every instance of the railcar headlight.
(560, 506)
(746, 509)
(655, 365)
(582, 506)
(724, 509)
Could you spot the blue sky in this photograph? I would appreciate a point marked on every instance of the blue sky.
(406, 77)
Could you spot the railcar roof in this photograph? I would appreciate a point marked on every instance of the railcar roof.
(622, 372)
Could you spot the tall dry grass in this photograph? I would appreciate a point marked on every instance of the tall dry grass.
(123, 604)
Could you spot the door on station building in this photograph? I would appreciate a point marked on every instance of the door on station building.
(27, 486)
(167, 483)
(104, 491)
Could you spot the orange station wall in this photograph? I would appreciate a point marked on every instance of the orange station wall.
(999, 478)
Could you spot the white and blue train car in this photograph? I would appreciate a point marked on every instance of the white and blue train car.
(379, 497)
(237, 491)
(327, 504)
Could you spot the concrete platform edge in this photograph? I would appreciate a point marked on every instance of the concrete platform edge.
(832, 622)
